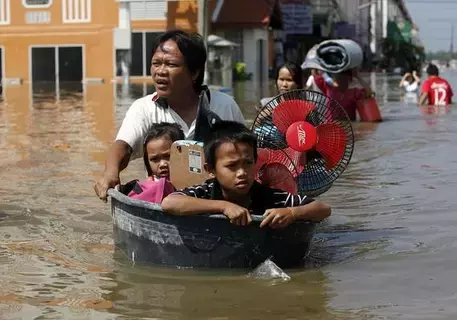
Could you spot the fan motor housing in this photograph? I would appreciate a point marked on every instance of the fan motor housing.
(301, 136)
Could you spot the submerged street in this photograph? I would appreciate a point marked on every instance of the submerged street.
(388, 251)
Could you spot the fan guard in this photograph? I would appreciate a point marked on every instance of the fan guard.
(315, 112)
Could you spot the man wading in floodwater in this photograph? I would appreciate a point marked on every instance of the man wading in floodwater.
(177, 69)
(435, 91)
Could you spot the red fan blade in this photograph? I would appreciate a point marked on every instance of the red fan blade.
(290, 111)
(263, 154)
(331, 143)
(277, 176)
(298, 161)
(262, 158)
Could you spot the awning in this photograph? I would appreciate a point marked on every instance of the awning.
(248, 14)
(216, 41)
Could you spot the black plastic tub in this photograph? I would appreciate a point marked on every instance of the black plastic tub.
(146, 234)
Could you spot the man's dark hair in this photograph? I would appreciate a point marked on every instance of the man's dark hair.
(193, 49)
(227, 131)
(158, 130)
(432, 70)
(295, 71)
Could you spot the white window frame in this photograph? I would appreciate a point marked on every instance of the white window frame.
(145, 65)
(88, 10)
(2, 74)
(144, 2)
(7, 13)
(36, 6)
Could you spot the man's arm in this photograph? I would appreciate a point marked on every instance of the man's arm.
(117, 159)
(329, 80)
(126, 146)
(423, 99)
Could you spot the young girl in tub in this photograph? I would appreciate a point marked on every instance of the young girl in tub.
(157, 146)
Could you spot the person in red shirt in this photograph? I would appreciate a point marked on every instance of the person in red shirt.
(347, 97)
(436, 91)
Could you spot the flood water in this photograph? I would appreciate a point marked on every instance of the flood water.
(389, 251)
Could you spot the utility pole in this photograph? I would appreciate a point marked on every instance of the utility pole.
(203, 28)
(451, 49)
(452, 25)
(373, 28)
(123, 42)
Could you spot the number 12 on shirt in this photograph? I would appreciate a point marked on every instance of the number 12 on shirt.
(440, 95)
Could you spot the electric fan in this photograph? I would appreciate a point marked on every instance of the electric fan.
(305, 142)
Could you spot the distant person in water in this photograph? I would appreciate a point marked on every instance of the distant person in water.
(342, 93)
(289, 76)
(311, 83)
(410, 82)
(435, 91)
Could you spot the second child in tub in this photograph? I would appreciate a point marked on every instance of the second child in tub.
(156, 157)
(231, 154)
(343, 93)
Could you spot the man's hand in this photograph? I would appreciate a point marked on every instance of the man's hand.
(368, 93)
(278, 218)
(117, 160)
(105, 183)
(238, 215)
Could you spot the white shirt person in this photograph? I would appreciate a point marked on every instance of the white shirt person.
(177, 70)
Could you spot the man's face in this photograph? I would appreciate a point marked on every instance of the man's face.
(235, 168)
(169, 71)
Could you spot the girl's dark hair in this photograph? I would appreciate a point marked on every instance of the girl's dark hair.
(227, 131)
(158, 130)
(295, 71)
(193, 49)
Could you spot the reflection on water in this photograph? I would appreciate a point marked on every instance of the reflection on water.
(387, 251)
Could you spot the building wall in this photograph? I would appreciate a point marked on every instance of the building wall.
(370, 20)
(354, 14)
(49, 28)
(180, 14)
(251, 39)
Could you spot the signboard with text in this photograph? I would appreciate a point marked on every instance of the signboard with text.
(297, 18)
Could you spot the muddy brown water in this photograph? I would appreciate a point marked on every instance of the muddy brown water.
(388, 252)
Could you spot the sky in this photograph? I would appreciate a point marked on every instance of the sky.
(434, 19)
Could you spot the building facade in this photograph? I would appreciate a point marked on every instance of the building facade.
(57, 41)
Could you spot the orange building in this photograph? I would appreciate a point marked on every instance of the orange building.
(56, 41)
